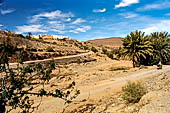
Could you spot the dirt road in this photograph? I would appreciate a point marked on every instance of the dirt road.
(112, 83)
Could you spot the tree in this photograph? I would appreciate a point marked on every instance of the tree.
(161, 47)
(136, 45)
(17, 84)
(29, 34)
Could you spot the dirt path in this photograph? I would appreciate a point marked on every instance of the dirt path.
(52, 59)
(118, 82)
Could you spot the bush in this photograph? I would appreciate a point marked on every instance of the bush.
(86, 47)
(119, 68)
(117, 52)
(16, 35)
(109, 54)
(20, 35)
(33, 49)
(113, 54)
(34, 39)
(133, 92)
(94, 49)
(104, 50)
(75, 44)
(50, 49)
(54, 43)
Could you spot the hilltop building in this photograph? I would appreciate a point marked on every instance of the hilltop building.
(50, 37)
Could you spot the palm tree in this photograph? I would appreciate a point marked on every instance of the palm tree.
(161, 46)
(137, 45)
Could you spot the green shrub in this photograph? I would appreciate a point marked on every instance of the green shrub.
(50, 49)
(33, 49)
(113, 54)
(34, 39)
(117, 52)
(109, 54)
(75, 44)
(94, 49)
(54, 43)
(86, 47)
(104, 50)
(20, 35)
(133, 92)
(16, 35)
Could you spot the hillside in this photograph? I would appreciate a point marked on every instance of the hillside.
(114, 42)
(37, 49)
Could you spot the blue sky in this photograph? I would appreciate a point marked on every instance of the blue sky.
(85, 19)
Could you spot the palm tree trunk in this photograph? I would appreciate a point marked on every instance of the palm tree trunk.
(2, 108)
(133, 60)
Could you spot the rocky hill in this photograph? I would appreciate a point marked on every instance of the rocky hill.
(114, 42)
(37, 49)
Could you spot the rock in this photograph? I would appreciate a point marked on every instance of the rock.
(148, 97)
(157, 106)
(163, 76)
(53, 79)
(116, 109)
(130, 109)
(99, 109)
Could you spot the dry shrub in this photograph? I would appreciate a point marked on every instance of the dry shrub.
(94, 50)
(133, 92)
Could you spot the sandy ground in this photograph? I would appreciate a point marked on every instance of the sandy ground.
(97, 81)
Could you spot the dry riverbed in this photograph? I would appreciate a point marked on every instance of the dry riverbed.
(100, 86)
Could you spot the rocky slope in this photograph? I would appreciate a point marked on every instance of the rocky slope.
(157, 100)
(36, 49)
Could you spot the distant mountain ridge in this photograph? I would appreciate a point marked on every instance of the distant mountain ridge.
(113, 42)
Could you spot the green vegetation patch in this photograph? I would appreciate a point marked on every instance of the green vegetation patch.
(50, 49)
(119, 68)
